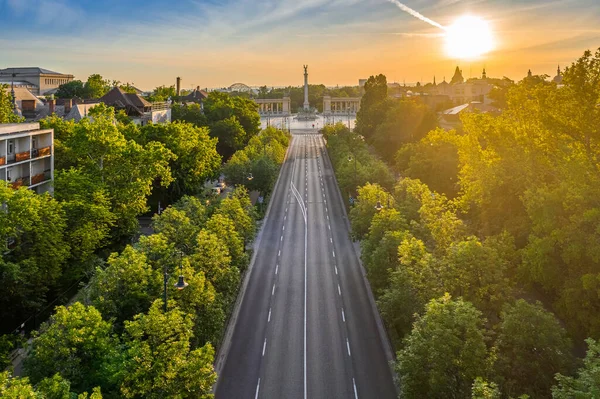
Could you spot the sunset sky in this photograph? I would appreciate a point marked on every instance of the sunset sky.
(214, 43)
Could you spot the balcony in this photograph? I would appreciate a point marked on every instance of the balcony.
(40, 177)
(2, 160)
(20, 182)
(22, 156)
(41, 152)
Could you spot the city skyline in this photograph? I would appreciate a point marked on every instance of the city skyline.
(265, 42)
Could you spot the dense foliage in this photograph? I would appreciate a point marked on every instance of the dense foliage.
(502, 210)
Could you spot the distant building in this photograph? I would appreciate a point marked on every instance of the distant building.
(450, 118)
(38, 80)
(559, 77)
(27, 156)
(196, 96)
(461, 92)
(136, 107)
(27, 105)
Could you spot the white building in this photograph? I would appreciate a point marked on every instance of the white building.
(27, 156)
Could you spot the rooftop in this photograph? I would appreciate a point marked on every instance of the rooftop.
(29, 71)
(8, 128)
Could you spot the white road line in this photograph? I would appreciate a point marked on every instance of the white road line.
(336, 272)
(286, 211)
(355, 391)
(269, 319)
(264, 346)
(339, 290)
(279, 253)
(329, 227)
(343, 315)
(326, 210)
(327, 217)
(331, 240)
(305, 295)
(273, 290)
(276, 269)
(285, 217)
(333, 253)
(283, 227)
(281, 239)
(257, 388)
(347, 346)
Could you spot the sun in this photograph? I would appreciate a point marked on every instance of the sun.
(469, 37)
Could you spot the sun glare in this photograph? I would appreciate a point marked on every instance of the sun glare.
(469, 37)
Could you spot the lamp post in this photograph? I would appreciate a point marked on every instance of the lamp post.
(180, 284)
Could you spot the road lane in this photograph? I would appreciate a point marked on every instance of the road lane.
(306, 329)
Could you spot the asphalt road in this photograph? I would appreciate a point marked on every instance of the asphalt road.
(305, 327)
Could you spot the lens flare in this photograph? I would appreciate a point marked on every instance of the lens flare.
(469, 37)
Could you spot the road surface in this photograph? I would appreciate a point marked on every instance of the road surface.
(305, 327)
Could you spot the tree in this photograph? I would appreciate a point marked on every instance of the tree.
(126, 287)
(372, 106)
(238, 208)
(79, 345)
(230, 134)
(160, 361)
(484, 390)
(220, 106)
(224, 228)
(88, 210)
(587, 383)
(190, 113)
(34, 227)
(444, 353)
(363, 212)
(126, 169)
(7, 114)
(531, 348)
(405, 121)
(196, 158)
(163, 93)
(96, 86)
(71, 89)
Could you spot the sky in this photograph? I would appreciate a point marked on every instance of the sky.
(215, 43)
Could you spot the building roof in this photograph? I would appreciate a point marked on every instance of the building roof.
(21, 93)
(30, 71)
(131, 102)
(197, 96)
(79, 111)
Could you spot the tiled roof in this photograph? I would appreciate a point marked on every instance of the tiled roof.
(129, 101)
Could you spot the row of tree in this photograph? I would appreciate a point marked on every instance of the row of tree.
(94, 87)
(481, 224)
(121, 337)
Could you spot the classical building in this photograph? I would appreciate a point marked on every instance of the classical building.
(27, 156)
(274, 106)
(559, 77)
(340, 105)
(39, 81)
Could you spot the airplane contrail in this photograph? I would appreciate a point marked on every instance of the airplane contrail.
(416, 14)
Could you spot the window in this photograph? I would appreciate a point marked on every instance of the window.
(9, 174)
(11, 147)
(34, 142)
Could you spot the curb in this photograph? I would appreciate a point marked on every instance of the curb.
(223, 351)
(387, 346)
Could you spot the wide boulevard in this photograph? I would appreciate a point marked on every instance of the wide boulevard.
(305, 327)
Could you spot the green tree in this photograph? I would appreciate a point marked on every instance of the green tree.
(160, 361)
(6, 107)
(190, 113)
(587, 383)
(126, 287)
(71, 89)
(196, 158)
(77, 344)
(96, 86)
(444, 353)
(405, 121)
(363, 212)
(373, 105)
(163, 93)
(482, 389)
(230, 134)
(531, 348)
(35, 226)
(88, 210)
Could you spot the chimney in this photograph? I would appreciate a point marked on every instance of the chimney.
(51, 105)
(68, 105)
(178, 86)
(197, 88)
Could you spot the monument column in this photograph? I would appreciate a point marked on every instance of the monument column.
(306, 104)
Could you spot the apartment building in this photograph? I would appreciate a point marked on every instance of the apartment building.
(27, 156)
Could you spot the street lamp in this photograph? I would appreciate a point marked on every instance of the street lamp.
(250, 177)
(180, 284)
(379, 207)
